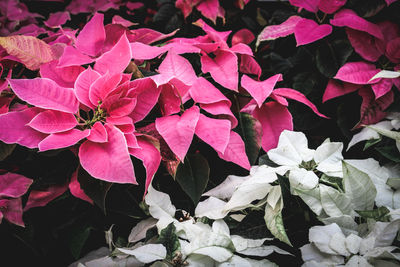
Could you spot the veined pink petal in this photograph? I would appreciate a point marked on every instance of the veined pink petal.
(72, 57)
(142, 51)
(41, 198)
(64, 139)
(223, 68)
(214, 132)
(363, 44)
(47, 94)
(274, 118)
(242, 49)
(202, 91)
(176, 66)
(63, 76)
(108, 161)
(12, 210)
(209, 9)
(390, 31)
(14, 185)
(178, 131)
(244, 36)
(296, 95)
(357, 72)
(57, 19)
(98, 133)
(147, 93)
(308, 31)
(349, 18)
(82, 86)
(120, 20)
(249, 65)
(101, 87)
(169, 100)
(13, 128)
(52, 121)
(235, 151)
(125, 124)
(260, 90)
(222, 109)
(277, 31)
(147, 36)
(309, 5)
(382, 87)
(91, 38)
(131, 140)
(76, 189)
(216, 36)
(151, 158)
(117, 59)
(330, 6)
(338, 88)
(121, 107)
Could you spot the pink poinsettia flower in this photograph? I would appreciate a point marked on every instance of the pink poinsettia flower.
(210, 9)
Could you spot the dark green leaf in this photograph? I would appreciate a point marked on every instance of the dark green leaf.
(264, 160)
(333, 181)
(6, 150)
(366, 8)
(78, 240)
(192, 176)
(96, 189)
(371, 142)
(250, 131)
(379, 214)
(331, 56)
(389, 152)
(170, 240)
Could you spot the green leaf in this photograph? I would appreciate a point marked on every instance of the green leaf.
(264, 160)
(6, 150)
(333, 202)
(78, 239)
(332, 181)
(391, 134)
(379, 214)
(251, 132)
(95, 189)
(389, 152)
(170, 240)
(192, 176)
(394, 183)
(371, 142)
(274, 221)
(330, 56)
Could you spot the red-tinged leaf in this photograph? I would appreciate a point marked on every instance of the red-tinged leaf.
(357, 73)
(281, 100)
(63, 76)
(235, 151)
(373, 110)
(382, 87)
(393, 50)
(42, 198)
(274, 118)
(209, 9)
(57, 19)
(223, 68)
(277, 31)
(214, 132)
(82, 86)
(390, 31)
(178, 131)
(46, 94)
(185, 6)
(14, 185)
(242, 49)
(31, 51)
(338, 88)
(308, 31)
(147, 36)
(363, 44)
(142, 51)
(14, 129)
(244, 36)
(147, 93)
(349, 18)
(61, 140)
(178, 67)
(260, 90)
(108, 161)
(116, 60)
(222, 110)
(330, 6)
(251, 132)
(76, 189)
(91, 38)
(12, 211)
(169, 100)
(52, 121)
(150, 156)
(296, 95)
(249, 65)
(72, 57)
(98, 133)
(204, 92)
(103, 86)
(309, 5)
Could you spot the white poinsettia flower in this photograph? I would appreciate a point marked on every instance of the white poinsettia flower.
(328, 158)
(303, 179)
